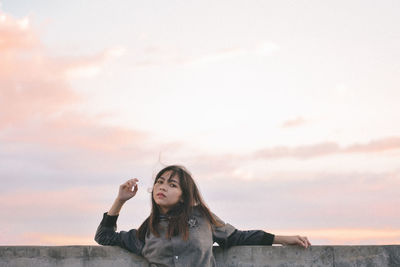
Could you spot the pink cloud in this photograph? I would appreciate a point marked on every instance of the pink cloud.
(327, 148)
(36, 99)
(375, 145)
(158, 56)
(321, 200)
(23, 203)
(74, 130)
(34, 85)
(361, 198)
(89, 65)
(30, 84)
(293, 123)
(226, 164)
(305, 151)
(16, 34)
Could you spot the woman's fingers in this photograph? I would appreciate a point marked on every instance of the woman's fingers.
(131, 183)
(128, 185)
(304, 241)
(299, 241)
(135, 189)
(125, 190)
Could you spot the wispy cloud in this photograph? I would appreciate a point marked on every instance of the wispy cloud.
(30, 85)
(42, 129)
(327, 148)
(75, 130)
(306, 151)
(16, 34)
(294, 122)
(323, 200)
(155, 55)
(90, 66)
(37, 102)
(24, 203)
(33, 83)
(260, 49)
(374, 145)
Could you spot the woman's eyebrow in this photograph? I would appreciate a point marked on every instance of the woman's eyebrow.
(171, 180)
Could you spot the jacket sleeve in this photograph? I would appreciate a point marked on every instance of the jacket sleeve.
(250, 238)
(227, 236)
(106, 235)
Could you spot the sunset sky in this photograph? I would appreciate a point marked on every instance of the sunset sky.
(287, 113)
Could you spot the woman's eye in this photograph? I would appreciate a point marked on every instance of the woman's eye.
(172, 185)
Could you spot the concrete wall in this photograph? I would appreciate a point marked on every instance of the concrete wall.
(98, 256)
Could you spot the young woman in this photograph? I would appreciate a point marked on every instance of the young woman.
(180, 230)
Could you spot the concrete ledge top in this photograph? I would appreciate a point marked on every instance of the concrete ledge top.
(346, 256)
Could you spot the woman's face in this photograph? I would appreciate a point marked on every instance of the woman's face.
(167, 191)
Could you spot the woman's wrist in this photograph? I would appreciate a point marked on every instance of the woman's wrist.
(116, 207)
(120, 201)
(278, 239)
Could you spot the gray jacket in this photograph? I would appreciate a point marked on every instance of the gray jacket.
(196, 251)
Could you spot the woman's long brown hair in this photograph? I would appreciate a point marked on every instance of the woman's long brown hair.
(179, 215)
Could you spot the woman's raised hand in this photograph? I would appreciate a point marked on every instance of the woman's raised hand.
(125, 190)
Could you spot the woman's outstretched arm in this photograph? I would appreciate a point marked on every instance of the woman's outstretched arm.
(227, 236)
(259, 237)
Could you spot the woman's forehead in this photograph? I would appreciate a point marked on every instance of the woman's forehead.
(170, 175)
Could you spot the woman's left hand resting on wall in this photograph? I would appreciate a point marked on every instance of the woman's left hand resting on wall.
(301, 241)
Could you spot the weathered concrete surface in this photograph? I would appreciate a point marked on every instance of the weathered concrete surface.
(246, 256)
(96, 256)
(335, 256)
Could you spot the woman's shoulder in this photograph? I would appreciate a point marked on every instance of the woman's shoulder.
(198, 211)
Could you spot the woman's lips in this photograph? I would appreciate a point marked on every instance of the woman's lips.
(160, 195)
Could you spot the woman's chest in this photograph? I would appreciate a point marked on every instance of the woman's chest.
(168, 251)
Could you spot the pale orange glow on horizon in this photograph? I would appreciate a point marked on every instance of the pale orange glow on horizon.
(43, 239)
(316, 236)
(346, 236)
